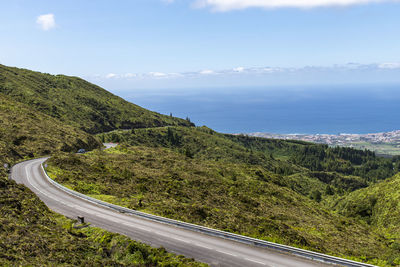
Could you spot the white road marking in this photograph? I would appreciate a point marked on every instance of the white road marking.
(132, 224)
(206, 247)
(182, 240)
(227, 253)
(259, 262)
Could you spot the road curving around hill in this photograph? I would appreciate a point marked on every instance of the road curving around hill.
(211, 246)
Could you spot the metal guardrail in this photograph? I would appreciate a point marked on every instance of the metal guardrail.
(212, 232)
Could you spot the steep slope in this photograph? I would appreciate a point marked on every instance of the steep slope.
(322, 158)
(27, 133)
(200, 176)
(77, 102)
(307, 166)
(378, 205)
(30, 234)
(271, 189)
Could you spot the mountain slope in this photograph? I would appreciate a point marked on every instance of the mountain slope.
(344, 169)
(378, 205)
(77, 102)
(241, 184)
(27, 133)
(31, 126)
(275, 190)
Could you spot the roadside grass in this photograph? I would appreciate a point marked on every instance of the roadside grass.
(239, 198)
(32, 235)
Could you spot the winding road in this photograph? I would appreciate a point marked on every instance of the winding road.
(213, 250)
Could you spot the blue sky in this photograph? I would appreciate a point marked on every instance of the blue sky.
(187, 43)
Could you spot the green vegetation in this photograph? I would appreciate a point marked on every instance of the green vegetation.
(308, 166)
(377, 205)
(77, 102)
(26, 133)
(41, 114)
(339, 201)
(31, 235)
(322, 158)
(252, 186)
(387, 149)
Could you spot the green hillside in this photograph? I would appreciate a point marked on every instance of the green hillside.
(307, 166)
(331, 200)
(27, 133)
(262, 188)
(377, 205)
(32, 126)
(32, 235)
(77, 102)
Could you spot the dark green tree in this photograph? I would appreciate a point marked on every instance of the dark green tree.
(316, 195)
(329, 190)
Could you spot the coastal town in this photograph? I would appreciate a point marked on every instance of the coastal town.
(385, 143)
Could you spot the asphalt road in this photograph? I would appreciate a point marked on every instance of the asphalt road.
(212, 250)
(109, 145)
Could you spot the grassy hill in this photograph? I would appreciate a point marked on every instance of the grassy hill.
(27, 133)
(308, 166)
(33, 123)
(256, 187)
(32, 235)
(377, 205)
(324, 199)
(77, 102)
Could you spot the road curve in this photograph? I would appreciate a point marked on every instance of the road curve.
(212, 250)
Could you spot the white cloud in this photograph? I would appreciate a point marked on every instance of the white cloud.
(46, 22)
(271, 70)
(129, 75)
(263, 71)
(111, 75)
(206, 72)
(157, 74)
(227, 5)
(391, 65)
(239, 69)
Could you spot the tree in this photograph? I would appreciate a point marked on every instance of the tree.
(189, 153)
(316, 195)
(329, 190)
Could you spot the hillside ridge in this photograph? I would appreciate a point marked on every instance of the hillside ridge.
(77, 102)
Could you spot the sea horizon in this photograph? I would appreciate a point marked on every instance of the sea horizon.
(324, 109)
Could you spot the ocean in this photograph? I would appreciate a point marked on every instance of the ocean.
(295, 109)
